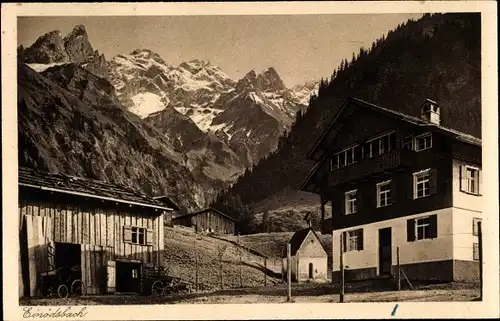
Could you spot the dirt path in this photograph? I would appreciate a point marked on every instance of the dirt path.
(269, 295)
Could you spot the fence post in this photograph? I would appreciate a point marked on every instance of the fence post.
(480, 249)
(399, 269)
(341, 268)
(265, 271)
(289, 271)
(240, 252)
(282, 266)
(195, 264)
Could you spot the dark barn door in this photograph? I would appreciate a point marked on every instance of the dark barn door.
(311, 271)
(385, 251)
(128, 277)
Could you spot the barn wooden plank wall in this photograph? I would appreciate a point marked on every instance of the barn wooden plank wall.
(205, 220)
(94, 262)
(98, 229)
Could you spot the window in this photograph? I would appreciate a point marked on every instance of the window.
(475, 251)
(422, 228)
(421, 184)
(423, 142)
(350, 202)
(407, 143)
(353, 240)
(469, 179)
(379, 145)
(138, 235)
(344, 158)
(135, 274)
(384, 194)
(475, 229)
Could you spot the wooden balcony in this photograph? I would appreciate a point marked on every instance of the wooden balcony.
(367, 167)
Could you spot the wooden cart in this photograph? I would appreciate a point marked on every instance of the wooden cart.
(156, 282)
(62, 282)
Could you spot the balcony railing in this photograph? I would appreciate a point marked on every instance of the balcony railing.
(389, 160)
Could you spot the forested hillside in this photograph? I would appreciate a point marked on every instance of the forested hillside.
(436, 57)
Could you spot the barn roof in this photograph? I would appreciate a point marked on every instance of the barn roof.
(85, 187)
(299, 237)
(168, 201)
(203, 211)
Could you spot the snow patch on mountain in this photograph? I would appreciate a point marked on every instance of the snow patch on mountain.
(43, 67)
(146, 103)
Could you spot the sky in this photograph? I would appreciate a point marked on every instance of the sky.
(299, 47)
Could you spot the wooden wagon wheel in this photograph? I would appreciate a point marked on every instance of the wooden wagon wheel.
(62, 291)
(78, 288)
(157, 288)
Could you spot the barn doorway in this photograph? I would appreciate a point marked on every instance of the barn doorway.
(68, 258)
(128, 276)
(311, 275)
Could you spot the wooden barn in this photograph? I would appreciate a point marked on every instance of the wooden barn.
(209, 220)
(108, 231)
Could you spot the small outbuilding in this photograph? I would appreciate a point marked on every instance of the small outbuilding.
(309, 259)
(209, 220)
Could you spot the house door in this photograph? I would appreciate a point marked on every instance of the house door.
(311, 275)
(385, 251)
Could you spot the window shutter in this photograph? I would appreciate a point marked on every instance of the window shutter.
(149, 236)
(360, 240)
(393, 191)
(344, 240)
(342, 206)
(410, 187)
(433, 227)
(433, 181)
(410, 230)
(463, 177)
(127, 234)
(479, 181)
(359, 200)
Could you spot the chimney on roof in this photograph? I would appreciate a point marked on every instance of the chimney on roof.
(429, 111)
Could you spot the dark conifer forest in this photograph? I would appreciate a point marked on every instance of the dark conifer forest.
(436, 57)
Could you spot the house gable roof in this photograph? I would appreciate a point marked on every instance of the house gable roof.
(85, 187)
(299, 237)
(209, 209)
(318, 150)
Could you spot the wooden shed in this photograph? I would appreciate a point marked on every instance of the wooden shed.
(209, 220)
(110, 232)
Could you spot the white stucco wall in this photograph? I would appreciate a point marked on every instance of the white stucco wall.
(463, 238)
(319, 267)
(440, 248)
(466, 207)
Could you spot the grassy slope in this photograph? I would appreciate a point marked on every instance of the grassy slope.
(180, 260)
(274, 244)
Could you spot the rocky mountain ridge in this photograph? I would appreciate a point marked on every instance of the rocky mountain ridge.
(192, 117)
(52, 49)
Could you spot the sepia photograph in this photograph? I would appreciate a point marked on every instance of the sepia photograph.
(182, 158)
